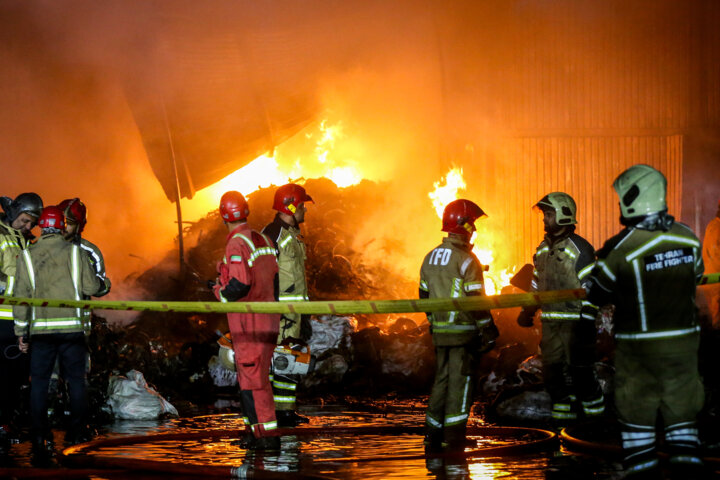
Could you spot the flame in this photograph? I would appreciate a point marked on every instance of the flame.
(444, 194)
(329, 134)
(260, 173)
(446, 190)
(287, 165)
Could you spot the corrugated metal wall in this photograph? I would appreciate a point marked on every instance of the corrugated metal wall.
(523, 170)
(600, 65)
(578, 92)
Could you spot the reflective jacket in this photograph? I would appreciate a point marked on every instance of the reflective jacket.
(52, 268)
(291, 259)
(564, 263)
(249, 258)
(97, 262)
(12, 243)
(650, 277)
(452, 270)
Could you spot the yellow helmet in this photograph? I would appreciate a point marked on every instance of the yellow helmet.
(563, 205)
(642, 191)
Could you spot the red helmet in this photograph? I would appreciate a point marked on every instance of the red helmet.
(233, 207)
(75, 212)
(52, 217)
(459, 217)
(288, 197)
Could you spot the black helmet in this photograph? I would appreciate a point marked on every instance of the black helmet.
(29, 203)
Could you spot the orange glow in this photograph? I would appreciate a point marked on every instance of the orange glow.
(447, 190)
(292, 162)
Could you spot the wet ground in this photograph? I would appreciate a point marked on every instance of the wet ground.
(338, 443)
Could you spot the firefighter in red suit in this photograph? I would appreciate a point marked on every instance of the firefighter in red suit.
(249, 273)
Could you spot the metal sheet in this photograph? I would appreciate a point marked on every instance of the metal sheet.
(520, 171)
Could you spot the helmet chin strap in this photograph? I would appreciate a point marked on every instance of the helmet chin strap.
(654, 221)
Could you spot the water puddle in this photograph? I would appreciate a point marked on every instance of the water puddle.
(336, 444)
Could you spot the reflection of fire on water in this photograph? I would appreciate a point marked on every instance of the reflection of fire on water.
(446, 190)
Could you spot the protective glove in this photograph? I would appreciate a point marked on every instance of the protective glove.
(485, 341)
(525, 319)
(234, 290)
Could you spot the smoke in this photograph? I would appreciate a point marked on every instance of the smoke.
(527, 97)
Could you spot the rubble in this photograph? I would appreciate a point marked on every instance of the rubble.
(365, 355)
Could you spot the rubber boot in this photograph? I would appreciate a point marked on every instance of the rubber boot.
(41, 453)
(289, 418)
(455, 440)
(433, 440)
(267, 443)
(247, 441)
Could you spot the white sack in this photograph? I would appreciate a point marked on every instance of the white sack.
(131, 398)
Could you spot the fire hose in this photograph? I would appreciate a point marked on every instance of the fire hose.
(92, 454)
(334, 307)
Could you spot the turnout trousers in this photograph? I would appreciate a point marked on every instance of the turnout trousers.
(568, 348)
(71, 351)
(451, 396)
(650, 384)
(285, 386)
(254, 337)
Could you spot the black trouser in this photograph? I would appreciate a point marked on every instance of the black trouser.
(13, 375)
(71, 351)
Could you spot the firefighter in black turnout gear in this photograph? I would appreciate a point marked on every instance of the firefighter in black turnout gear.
(563, 261)
(295, 330)
(452, 270)
(649, 272)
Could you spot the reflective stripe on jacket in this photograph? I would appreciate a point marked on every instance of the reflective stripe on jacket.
(52, 268)
(564, 263)
(249, 258)
(452, 270)
(12, 243)
(650, 277)
(98, 264)
(291, 259)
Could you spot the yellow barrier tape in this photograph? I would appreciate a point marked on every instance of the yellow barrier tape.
(339, 307)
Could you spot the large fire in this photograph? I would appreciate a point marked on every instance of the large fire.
(447, 190)
(282, 167)
(291, 163)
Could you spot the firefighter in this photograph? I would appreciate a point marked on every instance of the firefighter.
(563, 261)
(284, 231)
(51, 268)
(75, 220)
(649, 271)
(249, 273)
(711, 258)
(20, 216)
(452, 270)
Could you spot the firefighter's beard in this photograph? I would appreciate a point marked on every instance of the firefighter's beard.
(553, 230)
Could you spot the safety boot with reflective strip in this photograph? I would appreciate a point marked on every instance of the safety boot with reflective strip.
(639, 449)
(594, 407)
(563, 412)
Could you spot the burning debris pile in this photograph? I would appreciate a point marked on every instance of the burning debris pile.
(368, 354)
(173, 350)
